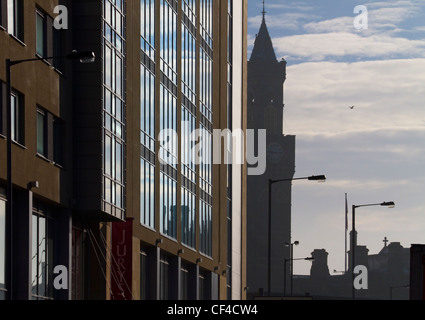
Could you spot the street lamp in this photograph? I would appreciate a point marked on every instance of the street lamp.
(291, 256)
(84, 57)
(319, 178)
(292, 273)
(354, 237)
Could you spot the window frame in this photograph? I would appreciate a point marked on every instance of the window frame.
(39, 213)
(43, 15)
(18, 117)
(17, 24)
(45, 151)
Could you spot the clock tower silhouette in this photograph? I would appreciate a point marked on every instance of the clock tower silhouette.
(266, 78)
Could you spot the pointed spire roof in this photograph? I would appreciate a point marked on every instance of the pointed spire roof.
(263, 47)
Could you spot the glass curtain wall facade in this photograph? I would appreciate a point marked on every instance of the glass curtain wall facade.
(188, 122)
(168, 155)
(184, 51)
(147, 112)
(205, 124)
(114, 104)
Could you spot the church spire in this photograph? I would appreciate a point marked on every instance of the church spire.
(263, 47)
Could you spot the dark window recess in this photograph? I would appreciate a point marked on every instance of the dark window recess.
(3, 109)
(41, 133)
(3, 13)
(49, 136)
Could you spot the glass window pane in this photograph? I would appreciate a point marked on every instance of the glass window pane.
(108, 142)
(142, 192)
(14, 103)
(34, 242)
(108, 66)
(152, 197)
(41, 134)
(40, 34)
(10, 16)
(42, 261)
(118, 162)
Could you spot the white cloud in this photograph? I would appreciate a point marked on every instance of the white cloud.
(387, 94)
(383, 20)
(318, 47)
(284, 21)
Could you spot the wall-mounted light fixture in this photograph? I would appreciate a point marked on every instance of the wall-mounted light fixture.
(33, 185)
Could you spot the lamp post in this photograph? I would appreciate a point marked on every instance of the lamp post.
(320, 178)
(292, 274)
(354, 237)
(291, 256)
(84, 57)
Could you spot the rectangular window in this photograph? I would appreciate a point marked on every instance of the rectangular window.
(49, 136)
(114, 103)
(168, 123)
(41, 133)
(184, 281)
(164, 278)
(206, 84)
(147, 27)
(3, 109)
(18, 116)
(188, 64)
(42, 257)
(205, 228)
(188, 218)
(2, 249)
(41, 29)
(3, 13)
(147, 194)
(168, 35)
(188, 126)
(168, 206)
(14, 18)
(147, 109)
(204, 285)
(206, 21)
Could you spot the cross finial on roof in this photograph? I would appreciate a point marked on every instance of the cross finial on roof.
(385, 241)
(264, 9)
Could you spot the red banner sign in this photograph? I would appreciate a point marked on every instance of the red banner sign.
(121, 260)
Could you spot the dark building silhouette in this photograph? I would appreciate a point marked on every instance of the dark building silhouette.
(266, 78)
(388, 275)
(417, 272)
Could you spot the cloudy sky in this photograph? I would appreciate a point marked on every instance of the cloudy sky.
(374, 152)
